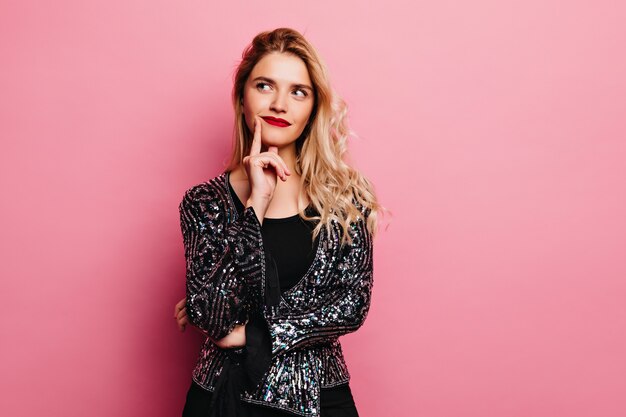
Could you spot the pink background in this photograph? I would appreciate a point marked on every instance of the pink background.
(494, 131)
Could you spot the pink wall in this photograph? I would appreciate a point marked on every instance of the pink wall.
(495, 133)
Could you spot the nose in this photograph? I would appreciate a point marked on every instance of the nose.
(279, 104)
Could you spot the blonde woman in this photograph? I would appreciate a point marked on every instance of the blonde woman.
(278, 247)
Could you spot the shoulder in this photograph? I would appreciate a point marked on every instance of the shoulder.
(211, 193)
(363, 210)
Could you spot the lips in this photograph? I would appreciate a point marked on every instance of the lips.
(275, 121)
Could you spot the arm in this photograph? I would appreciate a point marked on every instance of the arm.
(223, 261)
(347, 302)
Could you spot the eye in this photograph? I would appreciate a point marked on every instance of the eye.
(259, 84)
(304, 93)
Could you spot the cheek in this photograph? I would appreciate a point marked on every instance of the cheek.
(248, 115)
(252, 106)
(305, 114)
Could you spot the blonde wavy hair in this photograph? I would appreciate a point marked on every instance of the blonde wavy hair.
(330, 183)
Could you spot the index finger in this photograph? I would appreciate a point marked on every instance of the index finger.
(256, 140)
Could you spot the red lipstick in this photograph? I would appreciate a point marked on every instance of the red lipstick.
(275, 121)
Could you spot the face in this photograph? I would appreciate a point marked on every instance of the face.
(278, 87)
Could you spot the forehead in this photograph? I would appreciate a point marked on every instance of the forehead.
(283, 68)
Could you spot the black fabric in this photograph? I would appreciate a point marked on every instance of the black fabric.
(289, 252)
(290, 239)
(335, 402)
(230, 386)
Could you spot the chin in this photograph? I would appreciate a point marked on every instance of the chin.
(276, 142)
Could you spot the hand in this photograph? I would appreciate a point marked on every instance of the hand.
(236, 338)
(263, 168)
(180, 314)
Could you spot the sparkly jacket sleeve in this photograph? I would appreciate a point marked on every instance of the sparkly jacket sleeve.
(345, 303)
(223, 261)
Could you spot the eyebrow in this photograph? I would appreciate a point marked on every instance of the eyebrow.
(269, 80)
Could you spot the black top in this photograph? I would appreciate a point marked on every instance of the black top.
(289, 241)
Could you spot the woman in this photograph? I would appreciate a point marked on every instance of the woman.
(278, 270)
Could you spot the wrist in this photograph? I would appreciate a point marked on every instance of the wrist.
(260, 205)
(261, 200)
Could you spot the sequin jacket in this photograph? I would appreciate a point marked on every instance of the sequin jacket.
(225, 280)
